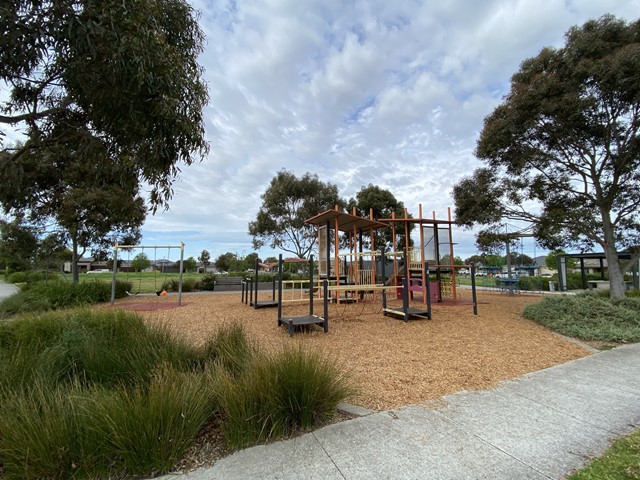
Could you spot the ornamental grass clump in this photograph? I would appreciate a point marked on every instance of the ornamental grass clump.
(106, 348)
(281, 393)
(88, 394)
(50, 432)
(149, 428)
(230, 349)
(97, 395)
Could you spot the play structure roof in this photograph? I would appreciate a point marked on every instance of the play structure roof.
(345, 222)
(422, 221)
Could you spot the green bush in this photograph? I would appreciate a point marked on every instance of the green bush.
(173, 285)
(70, 432)
(29, 276)
(279, 394)
(55, 295)
(207, 282)
(589, 317)
(111, 395)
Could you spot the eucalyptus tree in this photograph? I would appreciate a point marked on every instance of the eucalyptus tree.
(286, 203)
(106, 95)
(562, 151)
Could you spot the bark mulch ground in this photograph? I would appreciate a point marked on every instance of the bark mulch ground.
(393, 364)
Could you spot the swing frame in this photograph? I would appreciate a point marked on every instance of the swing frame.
(117, 247)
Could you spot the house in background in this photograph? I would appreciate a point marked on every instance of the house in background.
(86, 265)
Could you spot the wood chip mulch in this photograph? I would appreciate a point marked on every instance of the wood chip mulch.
(391, 363)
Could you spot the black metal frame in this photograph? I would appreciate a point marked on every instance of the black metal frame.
(407, 312)
(311, 319)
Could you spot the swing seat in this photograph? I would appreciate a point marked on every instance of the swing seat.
(132, 294)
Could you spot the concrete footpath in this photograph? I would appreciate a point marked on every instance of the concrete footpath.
(7, 289)
(540, 426)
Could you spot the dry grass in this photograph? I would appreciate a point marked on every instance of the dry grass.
(393, 363)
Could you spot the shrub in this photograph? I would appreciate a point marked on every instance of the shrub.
(122, 288)
(589, 317)
(29, 276)
(70, 432)
(55, 295)
(23, 302)
(207, 282)
(173, 285)
(97, 394)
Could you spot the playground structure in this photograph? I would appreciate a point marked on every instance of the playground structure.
(155, 248)
(424, 258)
(407, 312)
(349, 273)
(356, 271)
(352, 274)
(294, 291)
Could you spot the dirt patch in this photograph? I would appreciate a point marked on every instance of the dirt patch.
(392, 363)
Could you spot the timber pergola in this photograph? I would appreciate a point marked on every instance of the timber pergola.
(562, 268)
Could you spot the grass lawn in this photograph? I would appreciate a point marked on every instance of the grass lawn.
(620, 462)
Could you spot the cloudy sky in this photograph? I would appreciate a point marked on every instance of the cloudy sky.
(391, 93)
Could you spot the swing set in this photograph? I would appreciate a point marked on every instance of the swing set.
(160, 292)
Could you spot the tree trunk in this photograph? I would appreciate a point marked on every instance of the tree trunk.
(617, 286)
(74, 259)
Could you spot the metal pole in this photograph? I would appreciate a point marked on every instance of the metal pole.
(427, 289)
(279, 288)
(255, 303)
(473, 289)
(181, 268)
(115, 268)
(310, 285)
(405, 289)
(325, 292)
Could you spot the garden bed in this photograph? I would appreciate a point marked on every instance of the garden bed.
(392, 363)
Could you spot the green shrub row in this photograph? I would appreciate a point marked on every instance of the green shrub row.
(589, 316)
(101, 394)
(29, 276)
(39, 296)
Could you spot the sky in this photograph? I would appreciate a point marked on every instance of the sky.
(389, 93)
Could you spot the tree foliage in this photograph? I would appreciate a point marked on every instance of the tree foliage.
(18, 245)
(80, 187)
(108, 95)
(140, 262)
(563, 152)
(125, 71)
(551, 261)
(189, 264)
(286, 204)
(382, 203)
(205, 259)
